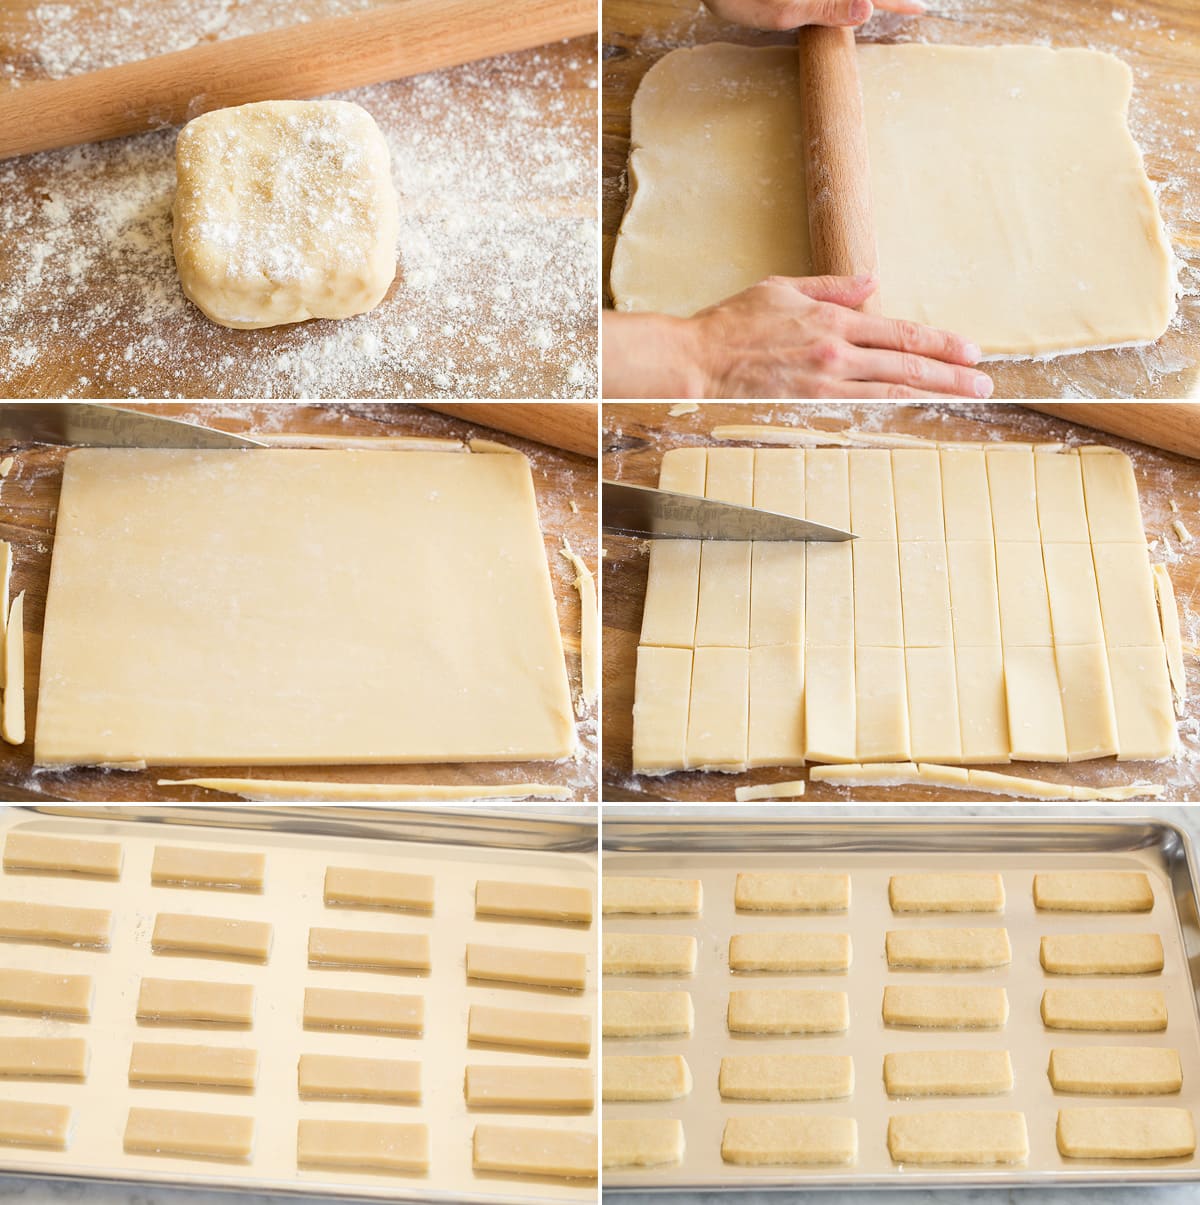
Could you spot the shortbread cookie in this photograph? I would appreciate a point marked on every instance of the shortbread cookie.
(646, 1077)
(948, 1073)
(647, 1014)
(1124, 1132)
(788, 1011)
(798, 1141)
(1104, 1008)
(974, 1137)
(946, 893)
(950, 1007)
(789, 953)
(642, 1141)
(786, 1077)
(948, 949)
(1093, 891)
(1115, 1070)
(783, 892)
(651, 896)
(1102, 953)
(649, 954)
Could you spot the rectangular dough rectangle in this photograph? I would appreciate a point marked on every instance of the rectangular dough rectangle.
(352, 887)
(1115, 1070)
(54, 923)
(534, 901)
(642, 1141)
(1062, 512)
(34, 1123)
(195, 1000)
(982, 705)
(925, 589)
(872, 498)
(637, 895)
(645, 1077)
(917, 482)
(941, 1007)
(878, 613)
(46, 994)
(968, 1138)
(1143, 703)
(526, 1151)
(1073, 594)
(371, 948)
(193, 866)
(789, 953)
(371, 1012)
(1012, 493)
(343, 1077)
(777, 574)
(932, 704)
(776, 732)
(508, 1087)
(881, 704)
(787, 891)
(719, 713)
(723, 606)
(192, 1135)
(530, 1029)
(1023, 594)
(940, 891)
(375, 1145)
(830, 729)
(965, 497)
(204, 1066)
(829, 595)
(520, 964)
(786, 1077)
(43, 1058)
(220, 935)
(1110, 489)
(974, 593)
(1036, 727)
(1087, 701)
(62, 855)
(1104, 1009)
(1102, 953)
(756, 1141)
(1093, 891)
(649, 954)
(1125, 1132)
(786, 1011)
(947, 1073)
(948, 949)
(827, 487)
(647, 1014)
(673, 580)
(1127, 604)
(662, 695)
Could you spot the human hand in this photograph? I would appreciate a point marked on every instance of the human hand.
(788, 14)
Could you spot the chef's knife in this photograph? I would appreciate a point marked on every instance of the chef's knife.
(638, 510)
(85, 424)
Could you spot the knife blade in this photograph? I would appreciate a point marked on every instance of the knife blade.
(644, 512)
(86, 424)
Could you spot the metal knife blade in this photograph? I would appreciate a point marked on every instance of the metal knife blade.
(639, 510)
(85, 424)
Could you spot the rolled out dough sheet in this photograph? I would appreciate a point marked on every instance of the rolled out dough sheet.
(1008, 257)
(223, 936)
(62, 855)
(183, 1132)
(786, 1077)
(1104, 1008)
(373, 1145)
(530, 1029)
(184, 583)
(651, 897)
(783, 1011)
(646, 1077)
(206, 1066)
(1115, 1070)
(968, 1137)
(507, 1087)
(369, 948)
(1102, 953)
(345, 1077)
(649, 954)
(185, 1000)
(530, 1151)
(643, 1141)
(781, 892)
(350, 887)
(647, 1014)
(788, 953)
(1093, 891)
(1125, 1132)
(371, 1012)
(948, 1073)
(802, 1140)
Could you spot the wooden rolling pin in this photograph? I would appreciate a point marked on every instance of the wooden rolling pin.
(1172, 426)
(573, 426)
(311, 59)
(837, 169)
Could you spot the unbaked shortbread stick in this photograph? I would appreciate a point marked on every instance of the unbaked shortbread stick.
(942, 892)
(799, 1141)
(530, 1029)
(195, 1000)
(370, 1012)
(948, 1073)
(369, 948)
(645, 1077)
(343, 1077)
(220, 869)
(564, 969)
(1093, 891)
(530, 1151)
(783, 892)
(12, 709)
(223, 936)
(1133, 1010)
(534, 901)
(786, 1077)
(783, 1011)
(1125, 1133)
(62, 855)
(351, 887)
(539, 1088)
(55, 923)
(976, 1137)
(789, 953)
(646, 1014)
(651, 896)
(30, 1123)
(38, 1058)
(1102, 953)
(374, 1145)
(47, 995)
(1115, 1070)
(194, 1135)
(948, 949)
(181, 1064)
(643, 1141)
(649, 954)
(945, 1007)
(265, 790)
(589, 636)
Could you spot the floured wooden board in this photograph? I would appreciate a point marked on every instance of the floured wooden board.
(559, 480)
(852, 674)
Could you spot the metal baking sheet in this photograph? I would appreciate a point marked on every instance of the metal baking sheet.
(456, 847)
(714, 846)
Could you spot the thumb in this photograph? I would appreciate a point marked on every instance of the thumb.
(849, 291)
(830, 12)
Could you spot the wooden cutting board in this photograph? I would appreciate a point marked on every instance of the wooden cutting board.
(28, 504)
(1159, 39)
(636, 435)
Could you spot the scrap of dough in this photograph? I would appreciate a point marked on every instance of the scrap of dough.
(651, 897)
(516, 964)
(199, 1135)
(976, 1137)
(6, 564)
(948, 1073)
(649, 954)
(38, 1058)
(207, 1066)
(264, 790)
(1092, 891)
(1168, 613)
(507, 1087)
(530, 1029)
(642, 1141)
(784, 1010)
(353, 887)
(1102, 953)
(220, 869)
(6, 465)
(769, 790)
(29, 1123)
(647, 1014)
(1181, 532)
(534, 901)
(945, 1007)
(371, 1145)
(1124, 1132)
(48, 995)
(1115, 1070)
(804, 437)
(776, 891)
(948, 949)
(789, 953)
(12, 710)
(1099, 1009)
(211, 935)
(62, 855)
(490, 447)
(524, 1151)
(946, 892)
(589, 635)
(682, 408)
(369, 948)
(786, 1077)
(284, 210)
(645, 1077)
(803, 1140)
(370, 1012)
(195, 1000)
(342, 1077)
(708, 120)
(364, 443)
(55, 923)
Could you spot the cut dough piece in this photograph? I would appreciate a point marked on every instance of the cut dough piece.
(646, 1077)
(723, 605)
(1024, 601)
(647, 1014)
(982, 704)
(12, 710)
(965, 499)
(881, 704)
(1102, 953)
(948, 949)
(878, 612)
(350, 887)
(1087, 702)
(1012, 492)
(327, 248)
(1093, 891)
(1143, 702)
(978, 1137)
(651, 897)
(340, 1077)
(932, 704)
(945, 1007)
(673, 580)
(48, 995)
(828, 583)
(1074, 595)
(1125, 1133)
(941, 892)
(29, 1123)
(62, 855)
(508, 1087)
(369, 948)
(1062, 513)
(363, 1145)
(784, 1011)
(195, 1000)
(830, 727)
(43, 1058)
(719, 711)
(522, 1151)
(642, 1141)
(917, 484)
(1110, 487)
(265, 790)
(786, 1077)
(1168, 612)
(211, 935)
(662, 695)
(649, 954)
(974, 591)
(193, 1135)
(539, 968)
(948, 1073)
(854, 774)
(1115, 1070)
(799, 1141)
(776, 730)
(777, 568)
(777, 891)
(925, 586)
(222, 869)
(161, 675)
(54, 923)
(1036, 727)
(789, 953)
(769, 790)
(589, 635)
(1127, 596)
(534, 901)
(1098, 1009)
(371, 1012)
(205, 1066)
(530, 1029)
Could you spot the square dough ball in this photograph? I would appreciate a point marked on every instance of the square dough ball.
(284, 210)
